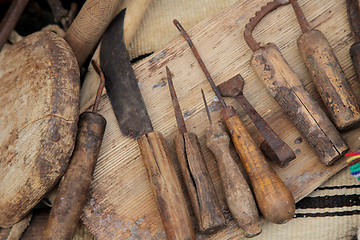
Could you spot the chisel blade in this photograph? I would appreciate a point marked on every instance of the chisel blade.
(121, 84)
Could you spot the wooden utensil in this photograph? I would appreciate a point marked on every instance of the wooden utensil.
(285, 86)
(75, 185)
(237, 191)
(134, 122)
(274, 199)
(327, 74)
(273, 147)
(202, 194)
(40, 110)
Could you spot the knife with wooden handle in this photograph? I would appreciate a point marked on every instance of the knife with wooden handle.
(134, 122)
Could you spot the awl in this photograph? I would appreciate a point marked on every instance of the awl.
(134, 122)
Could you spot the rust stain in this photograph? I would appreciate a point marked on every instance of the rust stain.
(298, 140)
(162, 83)
(188, 113)
(215, 105)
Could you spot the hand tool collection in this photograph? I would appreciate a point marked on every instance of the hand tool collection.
(75, 184)
(267, 193)
(202, 194)
(286, 87)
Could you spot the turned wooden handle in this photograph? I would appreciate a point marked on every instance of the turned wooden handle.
(237, 191)
(202, 194)
(75, 185)
(328, 76)
(166, 187)
(287, 89)
(274, 199)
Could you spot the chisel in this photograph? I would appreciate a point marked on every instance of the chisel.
(75, 185)
(134, 122)
(274, 199)
(205, 204)
(327, 74)
(287, 89)
(238, 194)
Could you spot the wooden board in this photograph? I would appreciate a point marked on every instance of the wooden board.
(121, 205)
(39, 99)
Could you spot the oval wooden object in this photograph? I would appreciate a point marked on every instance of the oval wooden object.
(355, 57)
(274, 199)
(311, 121)
(237, 191)
(74, 187)
(166, 187)
(38, 120)
(329, 79)
(199, 186)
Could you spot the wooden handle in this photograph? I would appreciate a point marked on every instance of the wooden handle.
(355, 57)
(287, 89)
(89, 25)
(329, 79)
(166, 187)
(202, 194)
(274, 199)
(237, 191)
(74, 187)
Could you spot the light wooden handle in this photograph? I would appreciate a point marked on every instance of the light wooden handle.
(166, 187)
(75, 185)
(237, 191)
(202, 194)
(274, 199)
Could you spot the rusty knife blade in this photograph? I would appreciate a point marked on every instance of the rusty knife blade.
(354, 17)
(121, 84)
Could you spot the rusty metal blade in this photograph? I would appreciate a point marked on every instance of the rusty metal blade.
(354, 17)
(121, 84)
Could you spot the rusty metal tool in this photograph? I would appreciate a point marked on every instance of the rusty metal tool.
(10, 19)
(74, 187)
(134, 122)
(274, 199)
(208, 212)
(287, 89)
(327, 74)
(354, 20)
(238, 194)
(273, 147)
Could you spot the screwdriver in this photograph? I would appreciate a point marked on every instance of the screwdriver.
(274, 199)
(75, 184)
(202, 194)
(237, 191)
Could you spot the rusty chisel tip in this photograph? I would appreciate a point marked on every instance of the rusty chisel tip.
(101, 85)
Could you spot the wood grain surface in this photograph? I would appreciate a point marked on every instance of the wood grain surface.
(121, 205)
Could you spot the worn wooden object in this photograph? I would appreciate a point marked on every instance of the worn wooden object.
(74, 187)
(238, 194)
(38, 121)
(274, 199)
(121, 204)
(198, 183)
(327, 74)
(353, 13)
(286, 87)
(166, 187)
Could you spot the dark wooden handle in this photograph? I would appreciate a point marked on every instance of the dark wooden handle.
(274, 199)
(197, 179)
(74, 186)
(166, 187)
(237, 191)
(328, 76)
(355, 56)
(287, 89)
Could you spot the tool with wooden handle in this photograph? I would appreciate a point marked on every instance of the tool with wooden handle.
(273, 147)
(327, 74)
(274, 199)
(353, 13)
(134, 122)
(75, 185)
(237, 191)
(205, 204)
(287, 89)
